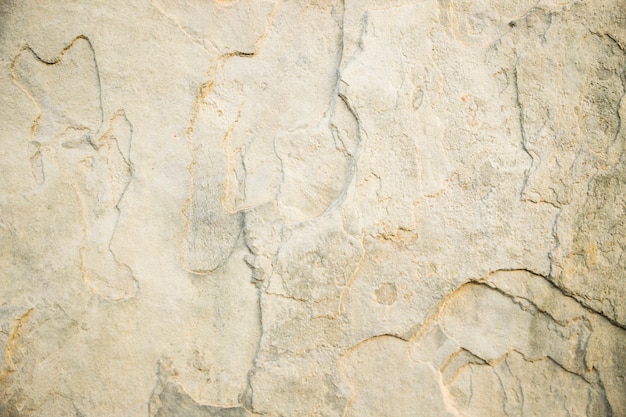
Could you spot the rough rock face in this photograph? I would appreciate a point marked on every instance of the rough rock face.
(312, 208)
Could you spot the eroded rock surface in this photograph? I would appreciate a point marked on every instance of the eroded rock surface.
(328, 208)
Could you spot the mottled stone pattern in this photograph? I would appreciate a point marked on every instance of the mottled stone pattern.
(236, 208)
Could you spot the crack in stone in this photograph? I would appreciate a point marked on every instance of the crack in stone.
(190, 260)
(60, 134)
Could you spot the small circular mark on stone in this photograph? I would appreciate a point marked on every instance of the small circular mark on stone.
(386, 293)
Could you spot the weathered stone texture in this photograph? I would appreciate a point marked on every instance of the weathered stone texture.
(312, 208)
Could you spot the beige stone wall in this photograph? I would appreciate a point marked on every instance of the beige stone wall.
(312, 208)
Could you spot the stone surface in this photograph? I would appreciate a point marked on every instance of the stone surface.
(325, 208)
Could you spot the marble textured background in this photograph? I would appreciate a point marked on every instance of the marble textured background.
(312, 208)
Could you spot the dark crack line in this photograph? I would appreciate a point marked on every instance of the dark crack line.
(563, 292)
